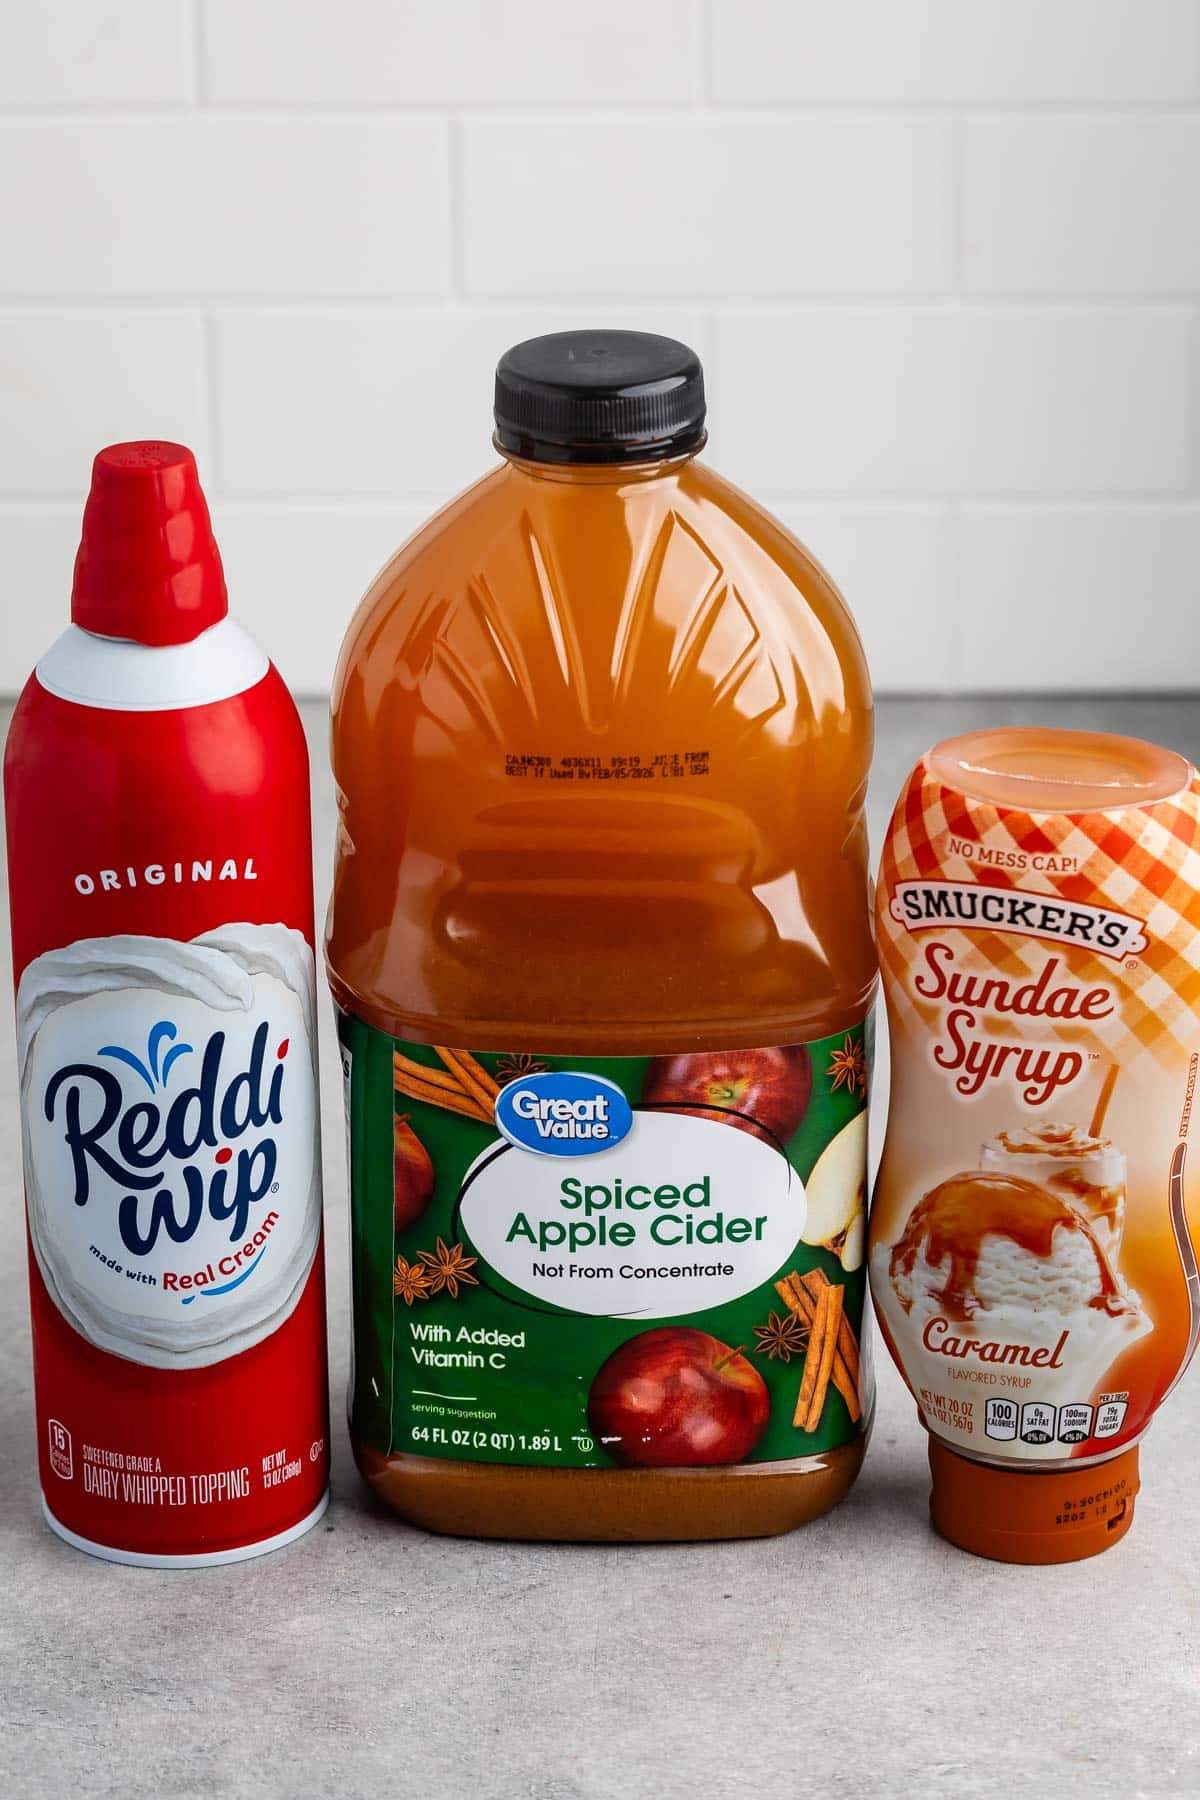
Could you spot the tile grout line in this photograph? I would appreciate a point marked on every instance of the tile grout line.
(705, 34)
(456, 201)
(849, 111)
(211, 400)
(197, 54)
(956, 636)
(958, 206)
(855, 303)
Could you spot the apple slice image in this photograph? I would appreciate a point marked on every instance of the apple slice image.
(837, 1195)
(854, 1243)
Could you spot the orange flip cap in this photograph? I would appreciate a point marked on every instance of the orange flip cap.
(1035, 1516)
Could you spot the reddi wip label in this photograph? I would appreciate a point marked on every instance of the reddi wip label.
(169, 1105)
(588, 1262)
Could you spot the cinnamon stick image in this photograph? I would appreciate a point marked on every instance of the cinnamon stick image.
(800, 1295)
(417, 1081)
(422, 1072)
(471, 1076)
(814, 1281)
(812, 1361)
(822, 1345)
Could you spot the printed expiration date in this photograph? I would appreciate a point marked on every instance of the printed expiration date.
(660, 766)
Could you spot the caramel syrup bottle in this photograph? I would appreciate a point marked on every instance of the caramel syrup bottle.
(601, 734)
(1035, 1227)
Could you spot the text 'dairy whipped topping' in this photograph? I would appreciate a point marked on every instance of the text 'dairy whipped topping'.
(1031, 1247)
(156, 790)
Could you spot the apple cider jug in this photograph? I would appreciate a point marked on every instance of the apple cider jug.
(601, 951)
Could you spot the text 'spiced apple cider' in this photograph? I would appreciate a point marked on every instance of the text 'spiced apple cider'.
(156, 790)
(601, 946)
(1032, 1254)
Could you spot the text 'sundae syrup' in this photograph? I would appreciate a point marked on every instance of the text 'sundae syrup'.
(1032, 1257)
(156, 789)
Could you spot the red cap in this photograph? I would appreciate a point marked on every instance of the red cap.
(1032, 1515)
(148, 566)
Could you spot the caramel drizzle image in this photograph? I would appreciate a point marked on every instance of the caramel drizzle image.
(954, 1218)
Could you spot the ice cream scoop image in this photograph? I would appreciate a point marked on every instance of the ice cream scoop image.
(1001, 1284)
(1085, 1169)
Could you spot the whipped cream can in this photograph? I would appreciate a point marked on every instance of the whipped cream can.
(1032, 1251)
(157, 806)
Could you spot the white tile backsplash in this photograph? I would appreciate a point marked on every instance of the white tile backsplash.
(1066, 597)
(94, 53)
(384, 403)
(451, 52)
(958, 52)
(297, 573)
(1078, 206)
(39, 543)
(953, 400)
(940, 257)
(74, 380)
(708, 205)
(895, 567)
(212, 205)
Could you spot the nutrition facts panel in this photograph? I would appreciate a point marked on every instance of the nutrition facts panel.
(1001, 1419)
(1036, 1422)
(1074, 1424)
(1110, 1415)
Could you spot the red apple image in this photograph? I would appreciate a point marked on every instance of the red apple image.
(769, 1088)
(677, 1398)
(413, 1174)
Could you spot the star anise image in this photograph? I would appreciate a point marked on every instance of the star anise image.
(517, 1065)
(781, 1338)
(448, 1267)
(410, 1281)
(848, 1067)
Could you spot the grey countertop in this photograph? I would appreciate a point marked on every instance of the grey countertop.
(861, 1656)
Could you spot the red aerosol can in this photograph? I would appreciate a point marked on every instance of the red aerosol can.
(156, 788)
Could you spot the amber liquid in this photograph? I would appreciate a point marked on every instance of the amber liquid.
(695, 879)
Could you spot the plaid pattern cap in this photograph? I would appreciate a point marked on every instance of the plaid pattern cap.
(1144, 861)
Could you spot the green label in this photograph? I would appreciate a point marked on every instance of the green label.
(589, 1262)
